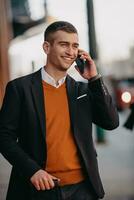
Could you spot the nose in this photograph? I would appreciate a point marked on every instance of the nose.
(70, 50)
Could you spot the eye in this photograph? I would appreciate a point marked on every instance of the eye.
(63, 45)
(75, 46)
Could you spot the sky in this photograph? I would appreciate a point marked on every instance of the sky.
(113, 21)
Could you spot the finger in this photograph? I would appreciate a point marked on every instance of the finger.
(46, 183)
(82, 52)
(41, 184)
(55, 178)
(51, 182)
(36, 185)
(86, 58)
(51, 179)
(84, 55)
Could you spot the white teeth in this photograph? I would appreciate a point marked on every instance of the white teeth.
(67, 58)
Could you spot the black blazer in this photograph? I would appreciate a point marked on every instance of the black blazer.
(23, 128)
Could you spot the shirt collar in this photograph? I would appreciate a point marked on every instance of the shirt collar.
(50, 80)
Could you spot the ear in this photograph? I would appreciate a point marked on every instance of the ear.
(46, 47)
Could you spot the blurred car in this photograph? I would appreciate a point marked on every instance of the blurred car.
(123, 92)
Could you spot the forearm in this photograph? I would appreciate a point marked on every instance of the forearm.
(104, 111)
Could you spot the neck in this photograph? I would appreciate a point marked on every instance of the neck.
(56, 74)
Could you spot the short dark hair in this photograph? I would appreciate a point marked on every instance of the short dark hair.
(56, 26)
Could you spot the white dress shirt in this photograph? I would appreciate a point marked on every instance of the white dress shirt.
(50, 80)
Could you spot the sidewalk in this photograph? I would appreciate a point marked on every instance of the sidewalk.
(5, 168)
(116, 163)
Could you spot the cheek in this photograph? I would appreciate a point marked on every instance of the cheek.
(52, 52)
(76, 52)
(56, 53)
(53, 55)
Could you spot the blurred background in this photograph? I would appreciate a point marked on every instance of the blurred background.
(106, 30)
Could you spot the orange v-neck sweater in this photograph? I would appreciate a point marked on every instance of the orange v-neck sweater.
(62, 156)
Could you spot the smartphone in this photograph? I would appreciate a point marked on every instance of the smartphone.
(81, 64)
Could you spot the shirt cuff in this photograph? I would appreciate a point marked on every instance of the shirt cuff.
(94, 78)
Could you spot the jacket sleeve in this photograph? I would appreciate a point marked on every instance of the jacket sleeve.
(9, 123)
(104, 112)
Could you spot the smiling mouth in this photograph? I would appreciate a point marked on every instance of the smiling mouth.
(68, 59)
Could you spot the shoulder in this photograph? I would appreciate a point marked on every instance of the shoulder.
(24, 80)
(78, 83)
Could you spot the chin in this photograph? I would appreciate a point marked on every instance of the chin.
(65, 68)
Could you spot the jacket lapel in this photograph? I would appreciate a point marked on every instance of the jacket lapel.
(38, 97)
(72, 98)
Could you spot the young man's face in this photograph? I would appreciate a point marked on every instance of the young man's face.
(62, 52)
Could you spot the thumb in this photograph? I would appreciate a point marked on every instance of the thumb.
(55, 178)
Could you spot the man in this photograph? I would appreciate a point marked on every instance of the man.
(129, 123)
(46, 124)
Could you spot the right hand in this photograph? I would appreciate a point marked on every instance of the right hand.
(43, 180)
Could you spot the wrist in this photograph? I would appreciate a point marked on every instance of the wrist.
(94, 78)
